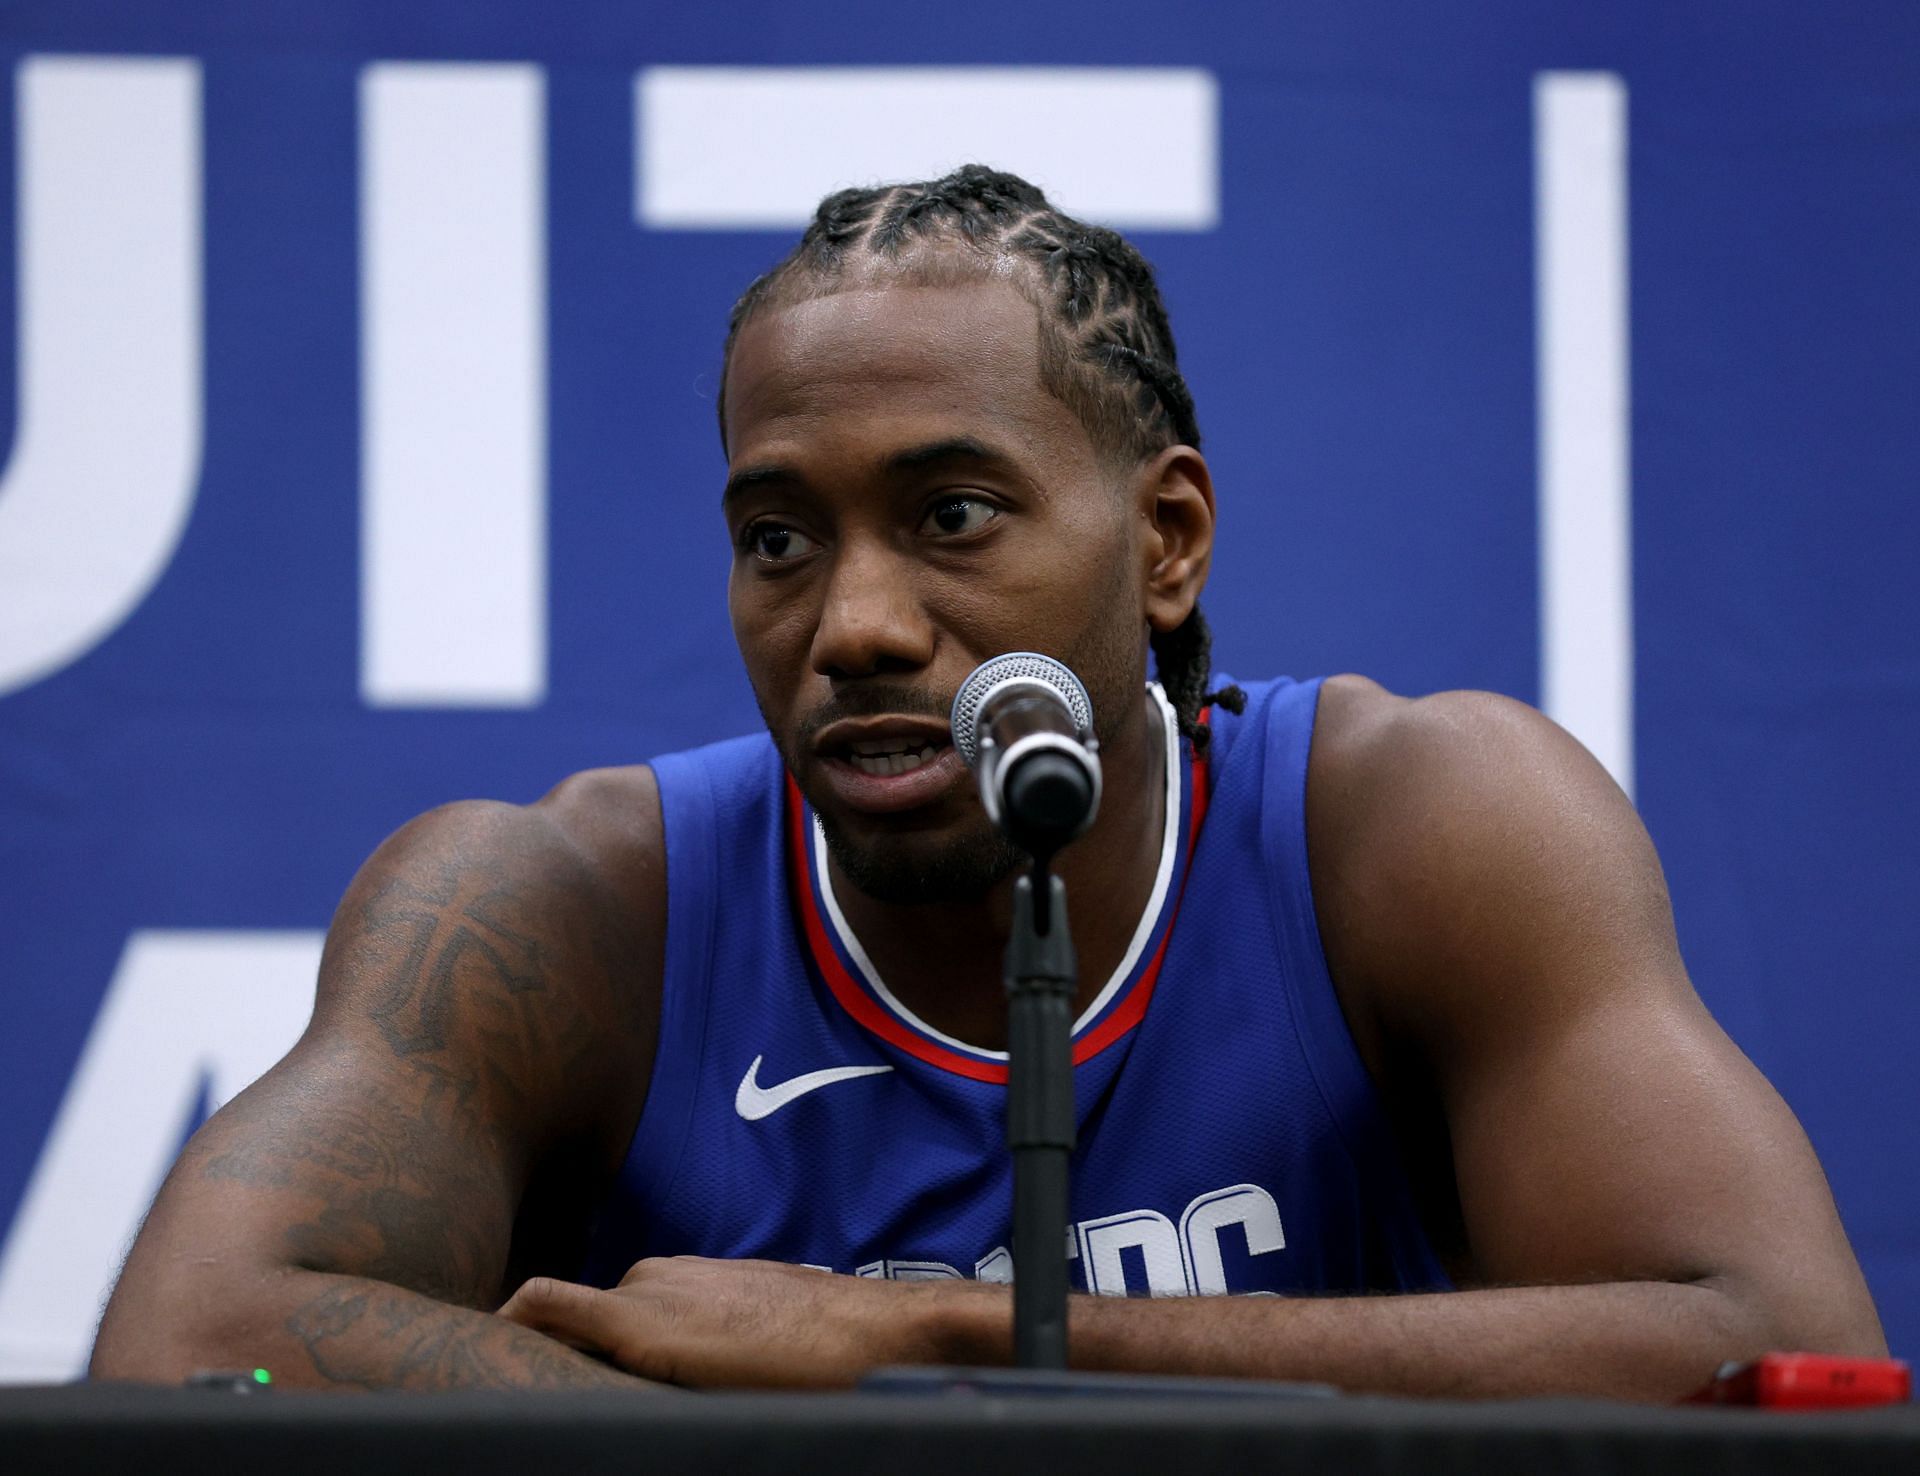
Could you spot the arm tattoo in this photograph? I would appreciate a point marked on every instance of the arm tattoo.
(377, 1215)
(419, 995)
(481, 1020)
(368, 1336)
(458, 976)
(470, 963)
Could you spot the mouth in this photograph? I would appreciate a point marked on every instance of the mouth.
(880, 758)
(885, 765)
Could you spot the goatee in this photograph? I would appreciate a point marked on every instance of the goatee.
(962, 871)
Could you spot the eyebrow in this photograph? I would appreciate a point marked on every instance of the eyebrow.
(749, 477)
(953, 448)
(914, 458)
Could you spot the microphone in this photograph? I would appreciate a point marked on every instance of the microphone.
(1024, 725)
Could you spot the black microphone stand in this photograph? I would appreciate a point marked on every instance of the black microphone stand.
(1049, 797)
(1040, 977)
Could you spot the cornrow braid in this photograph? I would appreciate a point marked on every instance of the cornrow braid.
(1183, 658)
(1107, 349)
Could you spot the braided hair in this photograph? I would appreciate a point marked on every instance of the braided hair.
(1106, 348)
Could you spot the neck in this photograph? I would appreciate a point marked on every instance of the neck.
(943, 960)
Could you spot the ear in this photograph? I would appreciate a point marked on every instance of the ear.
(1173, 503)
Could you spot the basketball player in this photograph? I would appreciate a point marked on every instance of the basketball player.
(1376, 994)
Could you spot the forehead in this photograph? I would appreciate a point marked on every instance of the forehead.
(892, 362)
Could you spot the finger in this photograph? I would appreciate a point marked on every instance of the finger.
(639, 1269)
(652, 1266)
(578, 1315)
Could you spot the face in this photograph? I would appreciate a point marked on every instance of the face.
(906, 500)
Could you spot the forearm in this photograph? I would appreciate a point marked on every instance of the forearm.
(314, 1329)
(1633, 1340)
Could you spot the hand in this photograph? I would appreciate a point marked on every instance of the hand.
(759, 1324)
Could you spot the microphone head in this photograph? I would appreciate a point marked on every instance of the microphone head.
(1015, 666)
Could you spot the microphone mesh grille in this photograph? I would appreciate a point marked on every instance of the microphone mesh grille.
(1023, 665)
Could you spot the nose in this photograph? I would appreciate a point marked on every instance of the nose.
(871, 618)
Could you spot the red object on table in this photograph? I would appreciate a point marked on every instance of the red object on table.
(1809, 1381)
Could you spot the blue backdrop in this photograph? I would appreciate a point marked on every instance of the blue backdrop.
(1359, 331)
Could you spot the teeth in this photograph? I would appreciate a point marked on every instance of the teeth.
(874, 747)
(882, 764)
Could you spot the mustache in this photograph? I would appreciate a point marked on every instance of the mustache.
(871, 701)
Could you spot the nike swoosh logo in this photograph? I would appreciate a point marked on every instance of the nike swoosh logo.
(754, 1101)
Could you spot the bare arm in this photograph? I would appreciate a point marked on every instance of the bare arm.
(482, 1024)
(1639, 1204)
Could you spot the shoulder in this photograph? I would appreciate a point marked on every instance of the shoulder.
(1454, 768)
(1465, 837)
(516, 944)
(610, 818)
(593, 842)
(1365, 736)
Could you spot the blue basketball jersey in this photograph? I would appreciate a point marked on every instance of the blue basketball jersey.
(1229, 1137)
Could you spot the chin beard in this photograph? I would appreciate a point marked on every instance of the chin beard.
(964, 870)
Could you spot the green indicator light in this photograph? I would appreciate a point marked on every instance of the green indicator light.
(261, 1376)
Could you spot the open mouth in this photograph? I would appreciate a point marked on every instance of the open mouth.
(888, 763)
(883, 757)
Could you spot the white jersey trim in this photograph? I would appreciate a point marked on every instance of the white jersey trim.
(1163, 878)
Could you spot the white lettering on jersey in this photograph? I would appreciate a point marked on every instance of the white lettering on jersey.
(891, 1270)
(1182, 1260)
(1246, 1205)
(1149, 1232)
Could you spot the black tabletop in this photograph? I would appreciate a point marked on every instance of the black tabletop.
(286, 1433)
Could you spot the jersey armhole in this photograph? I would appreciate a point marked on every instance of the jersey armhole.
(1339, 1075)
(687, 819)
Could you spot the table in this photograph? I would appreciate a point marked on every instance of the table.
(118, 1428)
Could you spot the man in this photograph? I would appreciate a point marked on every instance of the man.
(1376, 994)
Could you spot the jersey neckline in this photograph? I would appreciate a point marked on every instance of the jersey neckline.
(857, 987)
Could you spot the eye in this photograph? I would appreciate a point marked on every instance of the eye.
(775, 543)
(958, 515)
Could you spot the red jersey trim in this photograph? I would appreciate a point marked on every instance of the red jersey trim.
(875, 1017)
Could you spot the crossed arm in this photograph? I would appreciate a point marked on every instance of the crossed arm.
(353, 1218)
(1638, 1203)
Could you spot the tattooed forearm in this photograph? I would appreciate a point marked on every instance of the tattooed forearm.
(477, 1030)
(360, 1334)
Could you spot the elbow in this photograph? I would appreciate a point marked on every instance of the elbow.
(162, 1324)
(147, 1338)
(1813, 1314)
(136, 1349)
(1858, 1335)
(121, 1342)
(119, 1358)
